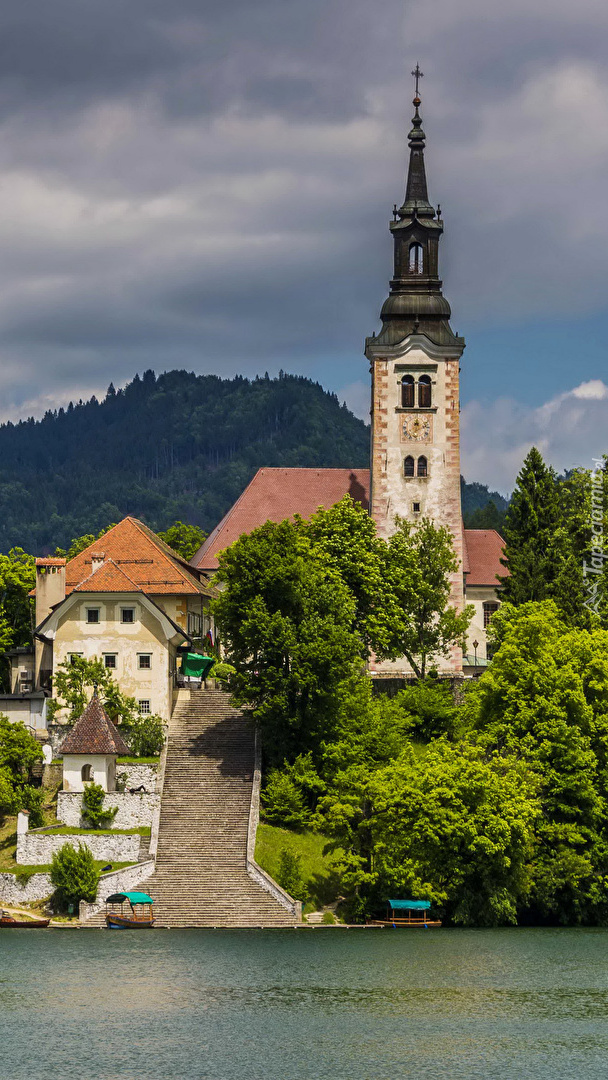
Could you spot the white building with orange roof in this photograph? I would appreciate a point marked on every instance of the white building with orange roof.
(130, 601)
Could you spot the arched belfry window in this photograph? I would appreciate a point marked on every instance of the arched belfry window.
(86, 773)
(408, 466)
(423, 467)
(407, 392)
(416, 263)
(424, 391)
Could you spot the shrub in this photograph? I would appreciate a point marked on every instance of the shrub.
(93, 809)
(31, 799)
(7, 794)
(283, 800)
(144, 734)
(328, 918)
(290, 874)
(221, 671)
(74, 875)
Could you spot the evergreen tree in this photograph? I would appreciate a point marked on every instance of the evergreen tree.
(531, 523)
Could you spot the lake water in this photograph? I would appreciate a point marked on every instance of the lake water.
(304, 1005)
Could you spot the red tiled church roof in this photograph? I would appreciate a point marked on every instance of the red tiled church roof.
(276, 494)
(94, 733)
(484, 548)
(136, 559)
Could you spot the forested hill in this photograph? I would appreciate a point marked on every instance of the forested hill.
(177, 446)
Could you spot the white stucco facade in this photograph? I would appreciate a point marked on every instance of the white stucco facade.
(80, 769)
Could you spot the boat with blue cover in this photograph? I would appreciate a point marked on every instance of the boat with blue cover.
(136, 916)
(406, 913)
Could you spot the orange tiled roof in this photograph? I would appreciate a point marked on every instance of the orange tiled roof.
(145, 561)
(108, 577)
(94, 733)
(276, 494)
(484, 548)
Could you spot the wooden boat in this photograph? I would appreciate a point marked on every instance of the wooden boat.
(137, 916)
(9, 922)
(412, 913)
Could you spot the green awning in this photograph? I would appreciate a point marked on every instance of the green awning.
(132, 897)
(196, 666)
(410, 905)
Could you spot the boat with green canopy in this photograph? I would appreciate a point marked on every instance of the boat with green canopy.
(406, 913)
(137, 916)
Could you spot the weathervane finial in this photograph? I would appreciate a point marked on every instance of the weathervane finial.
(418, 75)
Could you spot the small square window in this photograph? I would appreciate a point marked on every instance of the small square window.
(144, 660)
(92, 614)
(110, 660)
(144, 706)
(127, 614)
(416, 508)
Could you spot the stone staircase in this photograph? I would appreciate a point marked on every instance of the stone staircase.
(201, 876)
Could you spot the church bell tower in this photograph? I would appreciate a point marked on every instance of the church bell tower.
(415, 365)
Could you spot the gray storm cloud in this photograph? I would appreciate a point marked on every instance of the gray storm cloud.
(208, 185)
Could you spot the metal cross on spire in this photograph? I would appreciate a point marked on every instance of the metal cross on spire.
(418, 75)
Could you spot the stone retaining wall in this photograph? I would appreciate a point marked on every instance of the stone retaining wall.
(136, 775)
(35, 848)
(133, 810)
(37, 887)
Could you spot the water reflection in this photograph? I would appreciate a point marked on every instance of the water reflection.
(452, 1005)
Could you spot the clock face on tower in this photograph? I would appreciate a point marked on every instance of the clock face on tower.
(417, 428)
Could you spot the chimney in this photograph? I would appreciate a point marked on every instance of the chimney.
(50, 586)
(97, 559)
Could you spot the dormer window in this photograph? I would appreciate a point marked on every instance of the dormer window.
(416, 264)
(424, 392)
(407, 392)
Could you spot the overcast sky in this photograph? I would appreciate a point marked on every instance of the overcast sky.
(208, 185)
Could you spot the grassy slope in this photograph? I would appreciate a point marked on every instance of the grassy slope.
(322, 881)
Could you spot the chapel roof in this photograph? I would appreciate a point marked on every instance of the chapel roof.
(276, 494)
(94, 733)
(144, 560)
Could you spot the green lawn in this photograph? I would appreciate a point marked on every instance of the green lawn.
(137, 760)
(322, 881)
(23, 873)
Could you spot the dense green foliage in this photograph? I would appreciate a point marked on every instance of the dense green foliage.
(482, 508)
(183, 539)
(93, 810)
(494, 807)
(304, 602)
(17, 579)
(74, 876)
(554, 527)
(180, 446)
(19, 752)
(290, 874)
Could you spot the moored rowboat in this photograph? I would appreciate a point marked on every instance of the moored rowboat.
(9, 922)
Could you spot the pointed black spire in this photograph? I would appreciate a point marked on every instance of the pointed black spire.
(416, 194)
(416, 304)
